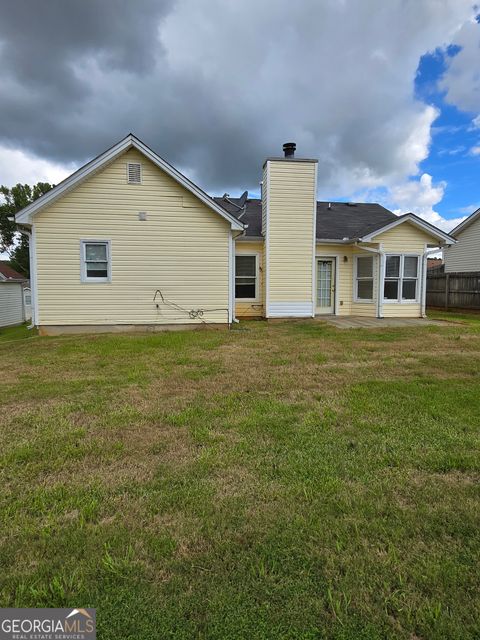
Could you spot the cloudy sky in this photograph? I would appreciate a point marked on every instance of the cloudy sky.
(385, 94)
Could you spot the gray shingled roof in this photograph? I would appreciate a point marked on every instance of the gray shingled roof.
(252, 216)
(335, 220)
(350, 220)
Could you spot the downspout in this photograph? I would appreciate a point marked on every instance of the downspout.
(423, 305)
(381, 268)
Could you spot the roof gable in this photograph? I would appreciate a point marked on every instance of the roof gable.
(473, 217)
(24, 216)
(414, 220)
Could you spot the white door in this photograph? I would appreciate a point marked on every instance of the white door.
(325, 285)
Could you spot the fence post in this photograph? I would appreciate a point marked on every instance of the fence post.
(447, 290)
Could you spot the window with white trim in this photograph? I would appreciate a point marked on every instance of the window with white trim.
(364, 278)
(246, 277)
(95, 258)
(134, 172)
(401, 278)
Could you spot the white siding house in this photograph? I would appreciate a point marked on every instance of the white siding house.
(465, 254)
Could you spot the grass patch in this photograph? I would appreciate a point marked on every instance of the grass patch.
(19, 332)
(285, 480)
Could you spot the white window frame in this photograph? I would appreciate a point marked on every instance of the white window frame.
(141, 173)
(401, 278)
(257, 276)
(356, 278)
(83, 261)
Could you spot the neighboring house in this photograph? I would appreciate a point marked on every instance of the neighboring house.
(465, 254)
(12, 300)
(128, 241)
(7, 273)
(434, 263)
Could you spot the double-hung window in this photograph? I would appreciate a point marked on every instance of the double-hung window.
(364, 279)
(95, 259)
(246, 277)
(401, 278)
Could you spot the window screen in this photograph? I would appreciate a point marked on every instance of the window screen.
(245, 277)
(401, 278)
(95, 261)
(364, 279)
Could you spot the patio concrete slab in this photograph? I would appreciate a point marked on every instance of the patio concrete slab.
(359, 322)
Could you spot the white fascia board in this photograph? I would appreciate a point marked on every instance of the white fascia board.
(108, 156)
(418, 222)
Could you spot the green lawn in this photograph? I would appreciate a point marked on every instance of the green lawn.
(285, 480)
(16, 333)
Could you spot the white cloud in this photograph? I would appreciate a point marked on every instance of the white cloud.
(475, 151)
(469, 209)
(420, 197)
(452, 151)
(17, 166)
(461, 80)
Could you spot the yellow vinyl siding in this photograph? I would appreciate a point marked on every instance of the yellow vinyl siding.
(465, 255)
(291, 204)
(251, 309)
(181, 250)
(405, 238)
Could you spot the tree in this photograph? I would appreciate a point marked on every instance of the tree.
(11, 241)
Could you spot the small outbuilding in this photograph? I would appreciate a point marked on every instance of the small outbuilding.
(14, 294)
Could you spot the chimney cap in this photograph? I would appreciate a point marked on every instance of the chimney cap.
(289, 149)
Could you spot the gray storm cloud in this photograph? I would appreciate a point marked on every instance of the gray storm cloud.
(215, 86)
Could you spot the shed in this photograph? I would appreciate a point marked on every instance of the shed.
(12, 306)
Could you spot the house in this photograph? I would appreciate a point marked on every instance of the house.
(8, 273)
(127, 241)
(464, 255)
(14, 296)
(434, 263)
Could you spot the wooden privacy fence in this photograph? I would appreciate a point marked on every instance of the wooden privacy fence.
(453, 290)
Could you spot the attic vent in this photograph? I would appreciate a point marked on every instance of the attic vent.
(134, 172)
